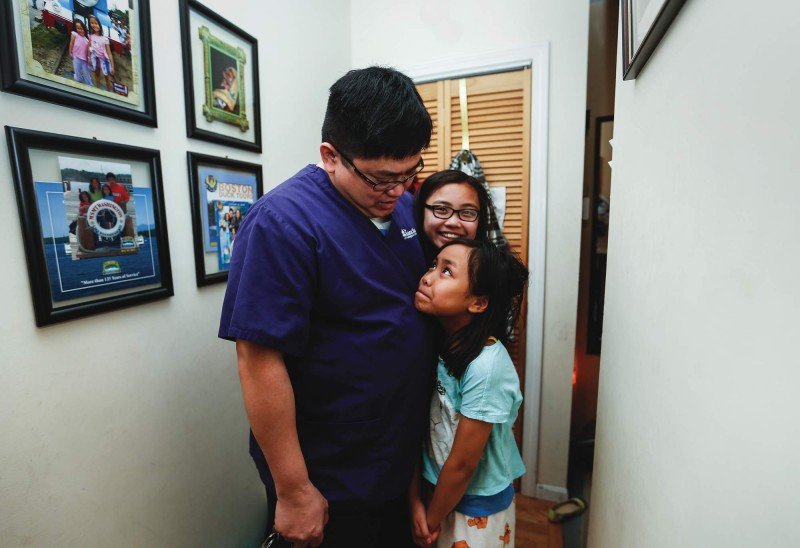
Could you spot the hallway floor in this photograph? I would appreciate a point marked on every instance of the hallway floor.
(533, 529)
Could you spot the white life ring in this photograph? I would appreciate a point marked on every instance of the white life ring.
(92, 220)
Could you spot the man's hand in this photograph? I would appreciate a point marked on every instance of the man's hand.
(301, 511)
(419, 523)
(300, 518)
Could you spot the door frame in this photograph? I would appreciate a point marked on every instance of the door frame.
(537, 57)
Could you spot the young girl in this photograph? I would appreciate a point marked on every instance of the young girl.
(445, 208)
(100, 59)
(79, 51)
(84, 203)
(470, 456)
(107, 194)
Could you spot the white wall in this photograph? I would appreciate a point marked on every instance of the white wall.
(698, 439)
(127, 428)
(421, 32)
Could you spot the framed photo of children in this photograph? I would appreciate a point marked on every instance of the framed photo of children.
(220, 74)
(93, 55)
(93, 224)
(222, 192)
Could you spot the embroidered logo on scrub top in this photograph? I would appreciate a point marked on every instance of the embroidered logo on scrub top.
(408, 234)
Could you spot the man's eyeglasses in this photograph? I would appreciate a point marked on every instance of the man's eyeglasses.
(445, 212)
(383, 186)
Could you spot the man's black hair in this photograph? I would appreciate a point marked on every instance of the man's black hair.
(376, 112)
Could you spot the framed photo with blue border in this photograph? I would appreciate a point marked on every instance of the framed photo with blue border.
(644, 23)
(222, 192)
(93, 224)
(220, 74)
(92, 55)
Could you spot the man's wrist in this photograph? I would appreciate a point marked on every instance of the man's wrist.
(288, 488)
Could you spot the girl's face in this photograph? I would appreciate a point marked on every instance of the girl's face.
(106, 190)
(85, 197)
(444, 290)
(95, 24)
(457, 196)
(79, 28)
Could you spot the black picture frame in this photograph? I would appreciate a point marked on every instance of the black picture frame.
(217, 185)
(97, 266)
(218, 53)
(641, 33)
(599, 217)
(23, 70)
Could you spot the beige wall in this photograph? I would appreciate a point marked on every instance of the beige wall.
(417, 32)
(127, 428)
(698, 439)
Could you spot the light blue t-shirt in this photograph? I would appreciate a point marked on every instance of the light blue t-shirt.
(489, 392)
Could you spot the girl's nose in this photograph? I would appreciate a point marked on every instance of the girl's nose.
(453, 220)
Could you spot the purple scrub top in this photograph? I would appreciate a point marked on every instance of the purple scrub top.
(313, 278)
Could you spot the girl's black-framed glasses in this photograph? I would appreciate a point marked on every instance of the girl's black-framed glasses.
(445, 212)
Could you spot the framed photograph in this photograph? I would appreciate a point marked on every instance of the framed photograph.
(93, 224)
(644, 23)
(220, 75)
(222, 192)
(93, 55)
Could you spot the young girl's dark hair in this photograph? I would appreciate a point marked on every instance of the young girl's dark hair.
(100, 27)
(434, 183)
(499, 276)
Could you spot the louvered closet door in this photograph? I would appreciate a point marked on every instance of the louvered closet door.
(435, 156)
(498, 119)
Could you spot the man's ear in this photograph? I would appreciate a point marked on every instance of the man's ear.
(479, 305)
(328, 155)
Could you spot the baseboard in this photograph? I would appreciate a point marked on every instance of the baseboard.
(551, 492)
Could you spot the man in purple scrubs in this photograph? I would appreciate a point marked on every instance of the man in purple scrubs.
(334, 360)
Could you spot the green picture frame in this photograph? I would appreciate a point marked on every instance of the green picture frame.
(226, 95)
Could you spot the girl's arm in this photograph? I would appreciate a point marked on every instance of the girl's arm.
(470, 440)
(71, 42)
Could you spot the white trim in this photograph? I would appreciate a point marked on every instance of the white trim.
(551, 492)
(538, 58)
(471, 66)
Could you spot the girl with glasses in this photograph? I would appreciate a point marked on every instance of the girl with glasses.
(451, 204)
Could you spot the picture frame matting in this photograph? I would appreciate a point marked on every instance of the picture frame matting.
(93, 224)
(221, 80)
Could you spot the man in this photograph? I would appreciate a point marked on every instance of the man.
(334, 360)
(121, 198)
(120, 193)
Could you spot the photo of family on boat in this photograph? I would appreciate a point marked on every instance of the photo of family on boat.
(97, 229)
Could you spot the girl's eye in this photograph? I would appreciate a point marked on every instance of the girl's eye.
(446, 271)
